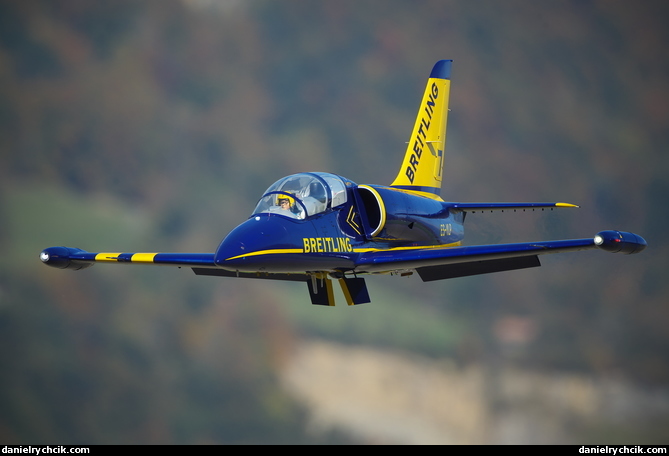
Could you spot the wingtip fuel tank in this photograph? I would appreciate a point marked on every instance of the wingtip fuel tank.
(620, 242)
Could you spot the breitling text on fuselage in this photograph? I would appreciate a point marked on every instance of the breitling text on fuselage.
(326, 245)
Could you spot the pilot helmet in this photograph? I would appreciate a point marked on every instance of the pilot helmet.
(280, 198)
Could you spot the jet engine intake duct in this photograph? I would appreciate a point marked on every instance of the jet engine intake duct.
(374, 209)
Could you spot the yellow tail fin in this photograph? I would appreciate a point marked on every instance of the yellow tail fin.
(424, 158)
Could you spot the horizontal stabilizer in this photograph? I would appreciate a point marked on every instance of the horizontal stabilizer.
(484, 207)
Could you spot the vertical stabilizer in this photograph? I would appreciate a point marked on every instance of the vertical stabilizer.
(424, 158)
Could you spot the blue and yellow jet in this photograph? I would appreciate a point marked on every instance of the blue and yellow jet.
(316, 227)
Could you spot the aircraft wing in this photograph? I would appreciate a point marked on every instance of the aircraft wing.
(201, 263)
(441, 262)
(72, 258)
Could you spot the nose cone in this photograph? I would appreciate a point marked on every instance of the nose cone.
(256, 243)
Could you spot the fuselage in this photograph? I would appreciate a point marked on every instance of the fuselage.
(359, 219)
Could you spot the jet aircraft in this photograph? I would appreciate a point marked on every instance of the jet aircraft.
(317, 227)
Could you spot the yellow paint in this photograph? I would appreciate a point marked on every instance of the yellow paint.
(565, 205)
(328, 287)
(323, 276)
(424, 157)
(351, 222)
(413, 247)
(266, 252)
(107, 256)
(143, 257)
(328, 243)
(346, 291)
(382, 207)
(445, 229)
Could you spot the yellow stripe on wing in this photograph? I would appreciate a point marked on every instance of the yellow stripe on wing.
(143, 257)
(135, 258)
(107, 256)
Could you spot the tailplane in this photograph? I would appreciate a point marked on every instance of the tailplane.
(424, 158)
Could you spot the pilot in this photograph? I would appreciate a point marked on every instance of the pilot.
(285, 203)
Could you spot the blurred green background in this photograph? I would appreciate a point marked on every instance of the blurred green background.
(156, 125)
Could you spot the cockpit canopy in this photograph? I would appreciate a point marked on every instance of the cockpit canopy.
(303, 195)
